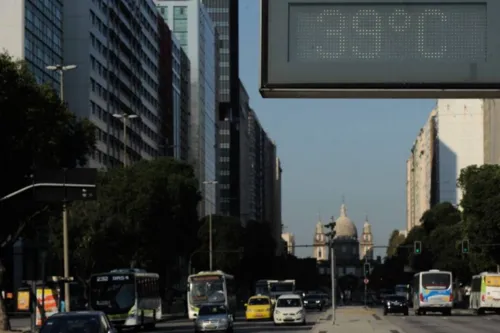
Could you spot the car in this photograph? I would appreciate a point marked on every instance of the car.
(395, 304)
(214, 317)
(258, 307)
(289, 309)
(77, 321)
(314, 302)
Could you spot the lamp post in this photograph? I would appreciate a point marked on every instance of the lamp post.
(210, 245)
(125, 117)
(61, 69)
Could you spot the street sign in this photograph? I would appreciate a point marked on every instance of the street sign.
(67, 185)
(366, 281)
(380, 49)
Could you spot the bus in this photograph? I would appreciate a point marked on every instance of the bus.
(281, 287)
(433, 292)
(402, 290)
(263, 287)
(129, 297)
(210, 287)
(485, 292)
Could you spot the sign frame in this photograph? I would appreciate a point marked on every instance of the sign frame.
(274, 86)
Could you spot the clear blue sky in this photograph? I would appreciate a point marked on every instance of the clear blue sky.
(331, 148)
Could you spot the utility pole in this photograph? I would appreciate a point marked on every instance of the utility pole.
(125, 117)
(210, 243)
(332, 270)
(61, 69)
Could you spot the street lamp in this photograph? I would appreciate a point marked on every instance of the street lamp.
(61, 69)
(210, 249)
(125, 117)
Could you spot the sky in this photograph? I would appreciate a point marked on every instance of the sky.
(334, 148)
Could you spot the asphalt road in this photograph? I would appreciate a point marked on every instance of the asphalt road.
(459, 322)
(185, 325)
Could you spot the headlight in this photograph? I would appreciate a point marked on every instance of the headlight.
(300, 312)
(223, 321)
(277, 312)
(318, 301)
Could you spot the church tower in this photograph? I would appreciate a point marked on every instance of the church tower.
(320, 252)
(366, 242)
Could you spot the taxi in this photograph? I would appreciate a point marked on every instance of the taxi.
(259, 307)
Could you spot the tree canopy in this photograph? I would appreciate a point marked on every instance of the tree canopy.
(145, 217)
(37, 131)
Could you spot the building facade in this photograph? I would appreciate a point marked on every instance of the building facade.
(366, 242)
(233, 110)
(491, 125)
(420, 172)
(458, 133)
(116, 46)
(256, 138)
(191, 24)
(32, 30)
(320, 243)
(289, 239)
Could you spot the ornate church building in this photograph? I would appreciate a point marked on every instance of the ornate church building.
(349, 250)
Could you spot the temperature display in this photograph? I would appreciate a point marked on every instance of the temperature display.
(388, 32)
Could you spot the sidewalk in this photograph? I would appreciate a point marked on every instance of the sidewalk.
(354, 319)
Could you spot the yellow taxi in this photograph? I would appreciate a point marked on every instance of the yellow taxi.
(259, 307)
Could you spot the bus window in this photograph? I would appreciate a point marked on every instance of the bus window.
(492, 281)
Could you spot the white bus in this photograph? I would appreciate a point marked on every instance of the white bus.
(263, 287)
(433, 292)
(129, 297)
(485, 292)
(214, 287)
(281, 287)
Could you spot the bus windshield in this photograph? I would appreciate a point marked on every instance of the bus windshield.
(262, 289)
(112, 295)
(207, 289)
(282, 287)
(436, 281)
(492, 280)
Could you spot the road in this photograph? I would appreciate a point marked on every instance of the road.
(460, 322)
(185, 325)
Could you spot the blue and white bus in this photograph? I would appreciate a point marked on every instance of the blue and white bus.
(433, 292)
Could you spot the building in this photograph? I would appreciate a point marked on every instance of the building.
(366, 242)
(191, 24)
(31, 30)
(116, 47)
(320, 243)
(277, 219)
(256, 137)
(289, 239)
(420, 170)
(346, 245)
(233, 112)
(491, 128)
(458, 133)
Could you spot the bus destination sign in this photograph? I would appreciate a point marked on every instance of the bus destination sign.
(207, 278)
(113, 278)
(389, 48)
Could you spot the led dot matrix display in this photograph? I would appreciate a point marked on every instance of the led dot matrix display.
(371, 32)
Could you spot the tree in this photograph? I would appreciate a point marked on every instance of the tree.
(145, 216)
(481, 213)
(395, 239)
(37, 131)
(331, 229)
(259, 253)
(227, 241)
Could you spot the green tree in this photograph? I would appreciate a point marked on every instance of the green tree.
(227, 241)
(395, 240)
(37, 131)
(481, 213)
(145, 216)
(259, 253)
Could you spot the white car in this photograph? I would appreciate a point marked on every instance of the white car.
(289, 309)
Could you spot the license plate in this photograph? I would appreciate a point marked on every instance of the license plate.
(210, 327)
(259, 315)
(288, 319)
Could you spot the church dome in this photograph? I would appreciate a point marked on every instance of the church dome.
(344, 227)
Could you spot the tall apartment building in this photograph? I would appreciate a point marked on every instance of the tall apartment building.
(420, 166)
(115, 45)
(458, 134)
(31, 30)
(191, 24)
(233, 110)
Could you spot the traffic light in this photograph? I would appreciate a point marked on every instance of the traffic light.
(367, 268)
(417, 247)
(465, 246)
